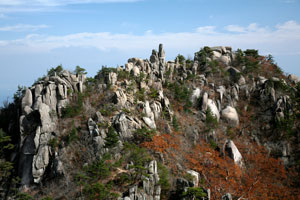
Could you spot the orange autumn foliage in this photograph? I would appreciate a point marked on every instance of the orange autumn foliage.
(262, 177)
(160, 143)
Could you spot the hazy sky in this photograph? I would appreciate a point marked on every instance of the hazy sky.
(36, 35)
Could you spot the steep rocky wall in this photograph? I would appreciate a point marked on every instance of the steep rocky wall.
(42, 105)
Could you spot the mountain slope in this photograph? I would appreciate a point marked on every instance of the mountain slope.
(224, 125)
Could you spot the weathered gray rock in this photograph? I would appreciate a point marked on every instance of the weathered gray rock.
(225, 59)
(204, 101)
(38, 90)
(27, 99)
(120, 97)
(149, 122)
(47, 125)
(156, 108)
(216, 55)
(125, 125)
(38, 124)
(221, 90)
(93, 127)
(230, 115)
(98, 117)
(212, 105)
(27, 110)
(128, 66)
(61, 105)
(161, 53)
(154, 57)
(227, 197)
(233, 152)
(135, 71)
(150, 189)
(294, 78)
(62, 92)
(40, 162)
(195, 176)
(195, 96)
(112, 78)
(149, 118)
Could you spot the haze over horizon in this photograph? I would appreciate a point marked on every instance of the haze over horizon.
(36, 35)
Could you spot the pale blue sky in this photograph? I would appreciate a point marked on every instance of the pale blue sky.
(36, 35)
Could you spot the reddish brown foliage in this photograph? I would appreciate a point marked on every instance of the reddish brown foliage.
(262, 177)
(161, 143)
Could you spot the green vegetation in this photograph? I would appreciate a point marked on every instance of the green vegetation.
(23, 196)
(175, 123)
(74, 108)
(141, 77)
(139, 157)
(211, 120)
(90, 177)
(153, 93)
(251, 52)
(140, 95)
(194, 193)
(203, 54)
(53, 143)
(99, 191)
(125, 75)
(143, 134)
(56, 70)
(79, 70)
(5, 147)
(18, 94)
(213, 144)
(112, 138)
(164, 179)
(108, 110)
(181, 59)
(72, 136)
(182, 94)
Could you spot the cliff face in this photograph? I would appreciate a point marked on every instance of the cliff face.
(157, 129)
(41, 107)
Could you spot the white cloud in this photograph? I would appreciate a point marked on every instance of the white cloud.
(206, 29)
(282, 39)
(250, 28)
(23, 27)
(14, 6)
(235, 28)
(57, 2)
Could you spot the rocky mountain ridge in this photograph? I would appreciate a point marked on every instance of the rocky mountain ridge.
(144, 120)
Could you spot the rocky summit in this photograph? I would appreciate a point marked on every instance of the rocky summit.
(224, 125)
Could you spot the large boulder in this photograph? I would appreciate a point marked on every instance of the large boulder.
(195, 95)
(230, 115)
(225, 59)
(135, 71)
(149, 116)
(213, 108)
(112, 78)
(120, 98)
(125, 125)
(204, 101)
(294, 78)
(195, 176)
(27, 99)
(156, 108)
(233, 153)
